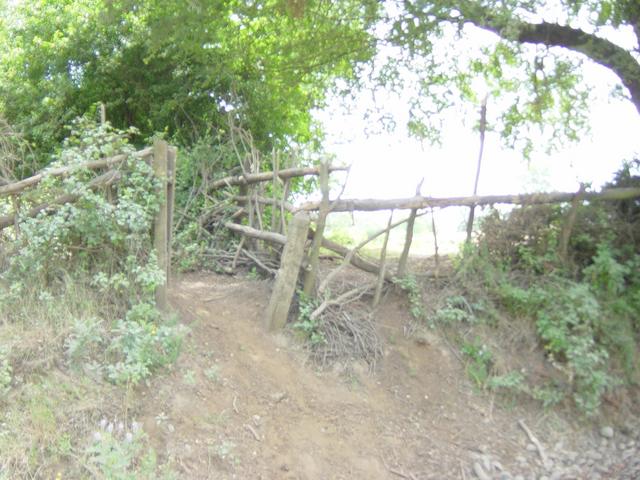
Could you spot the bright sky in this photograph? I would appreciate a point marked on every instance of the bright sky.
(389, 165)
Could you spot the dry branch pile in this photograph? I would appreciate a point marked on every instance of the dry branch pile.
(349, 333)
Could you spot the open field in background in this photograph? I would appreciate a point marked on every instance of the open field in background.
(351, 229)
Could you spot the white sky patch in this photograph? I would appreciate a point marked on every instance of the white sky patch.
(389, 165)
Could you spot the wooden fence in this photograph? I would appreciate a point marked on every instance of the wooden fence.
(251, 200)
(298, 255)
(163, 159)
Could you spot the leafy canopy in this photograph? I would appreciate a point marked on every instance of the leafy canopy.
(175, 66)
(182, 67)
(527, 54)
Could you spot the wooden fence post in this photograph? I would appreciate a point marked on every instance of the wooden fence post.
(311, 275)
(171, 188)
(161, 230)
(287, 277)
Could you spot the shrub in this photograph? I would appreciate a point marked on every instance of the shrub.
(142, 344)
(86, 336)
(586, 307)
(100, 247)
(93, 237)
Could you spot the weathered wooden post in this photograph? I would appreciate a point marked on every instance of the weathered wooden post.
(172, 159)
(287, 277)
(311, 276)
(160, 231)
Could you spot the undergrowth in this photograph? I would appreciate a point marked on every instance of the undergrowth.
(583, 307)
(77, 292)
(586, 326)
(310, 328)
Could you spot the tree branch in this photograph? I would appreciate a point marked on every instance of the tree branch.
(417, 202)
(267, 176)
(602, 51)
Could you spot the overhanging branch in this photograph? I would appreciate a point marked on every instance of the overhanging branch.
(598, 49)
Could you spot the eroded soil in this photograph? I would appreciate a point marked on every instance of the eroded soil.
(242, 403)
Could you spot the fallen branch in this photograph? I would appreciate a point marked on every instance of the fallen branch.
(418, 202)
(258, 262)
(251, 178)
(349, 256)
(356, 260)
(536, 442)
(253, 432)
(59, 171)
(266, 201)
(277, 238)
(343, 299)
(255, 233)
(105, 179)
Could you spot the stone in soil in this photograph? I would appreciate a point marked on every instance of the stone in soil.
(606, 432)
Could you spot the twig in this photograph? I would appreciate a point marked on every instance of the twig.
(536, 442)
(237, 255)
(253, 432)
(270, 271)
(354, 250)
(399, 474)
(235, 408)
(344, 298)
(464, 475)
(352, 336)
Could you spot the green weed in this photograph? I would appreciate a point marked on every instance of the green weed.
(117, 451)
(310, 328)
(409, 284)
(480, 361)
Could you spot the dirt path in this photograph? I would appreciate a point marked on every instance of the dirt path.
(245, 404)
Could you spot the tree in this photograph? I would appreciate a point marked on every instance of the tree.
(530, 62)
(178, 67)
